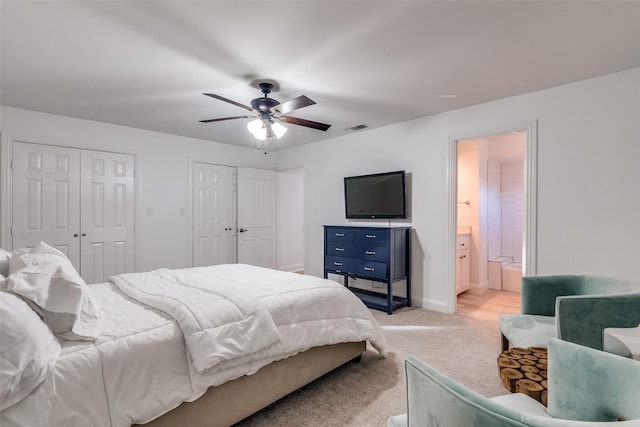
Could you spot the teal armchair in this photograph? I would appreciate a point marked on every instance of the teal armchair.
(586, 387)
(573, 308)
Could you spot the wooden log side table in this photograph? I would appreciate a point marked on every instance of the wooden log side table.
(524, 370)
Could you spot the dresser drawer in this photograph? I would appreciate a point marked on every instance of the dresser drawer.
(339, 264)
(337, 234)
(369, 269)
(364, 252)
(375, 236)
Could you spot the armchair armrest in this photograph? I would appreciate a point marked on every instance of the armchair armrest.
(433, 399)
(539, 293)
(591, 385)
(582, 319)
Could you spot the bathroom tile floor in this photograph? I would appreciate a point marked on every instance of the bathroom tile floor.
(488, 305)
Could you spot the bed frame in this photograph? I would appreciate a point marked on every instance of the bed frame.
(235, 400)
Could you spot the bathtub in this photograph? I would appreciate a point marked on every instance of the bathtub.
(511, 277)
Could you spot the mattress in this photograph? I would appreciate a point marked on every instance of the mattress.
(140, 368)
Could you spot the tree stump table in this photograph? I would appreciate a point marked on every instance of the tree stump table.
(524, 370)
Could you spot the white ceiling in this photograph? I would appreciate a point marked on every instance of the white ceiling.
(145, 63)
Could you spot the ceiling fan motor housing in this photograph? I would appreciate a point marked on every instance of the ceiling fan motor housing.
(265, 103)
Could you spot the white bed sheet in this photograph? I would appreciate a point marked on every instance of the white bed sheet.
(139, 368)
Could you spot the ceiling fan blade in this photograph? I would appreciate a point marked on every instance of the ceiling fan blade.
(303, 122)
(225, 118)
(293, 104)
(222, 98)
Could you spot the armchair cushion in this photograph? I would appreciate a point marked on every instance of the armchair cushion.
(397, 421)
(528, 330)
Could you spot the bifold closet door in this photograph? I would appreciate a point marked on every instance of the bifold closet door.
(78, 201)
(106, 214)
(46, 198)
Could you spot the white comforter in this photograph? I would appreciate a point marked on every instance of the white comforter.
(139, 368)
(219, 320)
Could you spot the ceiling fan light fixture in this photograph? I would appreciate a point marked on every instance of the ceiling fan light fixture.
(258, 128)
(278, 129)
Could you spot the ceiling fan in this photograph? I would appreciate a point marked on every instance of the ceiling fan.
(270, 112)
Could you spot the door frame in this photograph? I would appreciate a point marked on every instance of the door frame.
(6, 200)
(530, 200)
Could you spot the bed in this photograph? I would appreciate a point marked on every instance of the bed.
(154, 363)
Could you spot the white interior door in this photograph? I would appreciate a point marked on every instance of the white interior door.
(214, 214)
(257, 217)
(107, 215)
(45, 198)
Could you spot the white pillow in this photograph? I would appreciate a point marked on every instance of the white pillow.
(4, 262)
(45, 277)
(28, 350)
(40, 254)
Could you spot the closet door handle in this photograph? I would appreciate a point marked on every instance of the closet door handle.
(84, 234)
(75, 235)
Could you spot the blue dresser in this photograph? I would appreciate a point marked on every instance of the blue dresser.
(372, 253)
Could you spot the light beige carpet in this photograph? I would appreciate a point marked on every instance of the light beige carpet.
(367, 393)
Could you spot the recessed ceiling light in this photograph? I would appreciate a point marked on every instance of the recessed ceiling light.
(445, 95)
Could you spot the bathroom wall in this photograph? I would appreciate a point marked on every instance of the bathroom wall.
(511, 190)
(505, 196)
(494, 210)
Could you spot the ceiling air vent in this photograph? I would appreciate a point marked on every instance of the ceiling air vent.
(357, 127)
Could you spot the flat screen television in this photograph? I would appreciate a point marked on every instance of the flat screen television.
(380, 195)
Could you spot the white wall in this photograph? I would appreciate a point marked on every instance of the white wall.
(290, 220)
(163, 237)
(588, 179)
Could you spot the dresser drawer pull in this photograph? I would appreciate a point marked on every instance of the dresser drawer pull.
(339, 249)
(370, 252)
(370, 236)
(369, 269)
(339, 234)
(339, 264)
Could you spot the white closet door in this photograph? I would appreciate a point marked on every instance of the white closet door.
(214, 214)
(45, 198)
(107, 215)
(257, 217)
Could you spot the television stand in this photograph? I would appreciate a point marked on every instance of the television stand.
(370, 253)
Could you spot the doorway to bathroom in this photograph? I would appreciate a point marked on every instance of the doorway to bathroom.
(493, 217)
